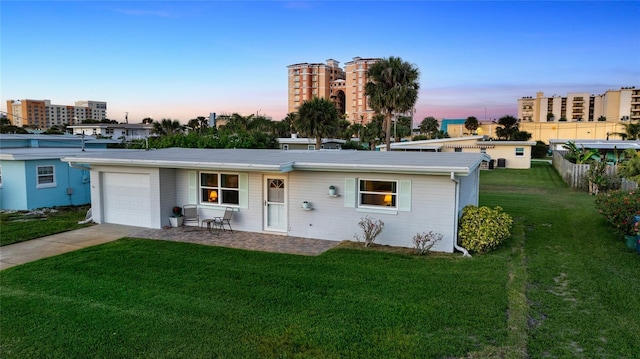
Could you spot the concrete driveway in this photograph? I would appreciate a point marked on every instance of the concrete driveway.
(28, 251)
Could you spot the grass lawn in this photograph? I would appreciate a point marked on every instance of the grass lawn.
(563, 286)
(18, 226)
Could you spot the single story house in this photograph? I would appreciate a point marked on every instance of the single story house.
(295, 143)
(410, 192)
(612, 151)
(32, 175)
(507, 154)
(33, 178)
(119, 131)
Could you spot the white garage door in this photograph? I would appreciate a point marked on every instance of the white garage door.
(126, 198)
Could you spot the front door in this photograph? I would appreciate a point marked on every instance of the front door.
(275, 204)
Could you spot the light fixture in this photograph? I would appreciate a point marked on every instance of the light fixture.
(213, 196)
(387, 200)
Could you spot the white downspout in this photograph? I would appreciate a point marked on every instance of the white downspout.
(465, 253)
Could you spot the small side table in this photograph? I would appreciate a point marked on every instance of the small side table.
(211, 225)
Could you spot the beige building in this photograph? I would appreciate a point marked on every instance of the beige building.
(612, 106)
(41, 114)
(503, 154)
(344, 87)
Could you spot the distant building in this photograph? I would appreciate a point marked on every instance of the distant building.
(41, 114)
(116, 131)
(613, 106)
(344, 87)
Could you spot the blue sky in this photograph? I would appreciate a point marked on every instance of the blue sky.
(180, 60)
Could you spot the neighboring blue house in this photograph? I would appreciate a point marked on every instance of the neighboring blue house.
(32, 175)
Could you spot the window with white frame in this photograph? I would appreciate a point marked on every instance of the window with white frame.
(519, 151)
(219, 188)
(311, 147)
(377, 193)
(45, 176)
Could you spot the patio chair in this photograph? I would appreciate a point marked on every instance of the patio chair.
(225, 220)
(190, 212)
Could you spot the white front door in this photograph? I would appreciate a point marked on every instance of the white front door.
(275, 204)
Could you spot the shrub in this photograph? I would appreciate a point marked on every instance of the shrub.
(539, 150)
(619, 208)
(482, 229)
(371, 228)
(424, 241)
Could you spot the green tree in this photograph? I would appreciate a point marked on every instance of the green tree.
(317, 118)
(508, 128)
(471, 124)
(429, 126)
(373, 132)
(629, 168)
(403, 126)
(392, 88)
(166, 127)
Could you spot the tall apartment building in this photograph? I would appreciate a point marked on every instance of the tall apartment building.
(613, 106)
(42, 114)
(344, 87)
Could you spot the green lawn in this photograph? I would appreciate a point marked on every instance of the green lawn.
(562, 287)
(18, 226)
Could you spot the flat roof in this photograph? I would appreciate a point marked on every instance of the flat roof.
(285, 161)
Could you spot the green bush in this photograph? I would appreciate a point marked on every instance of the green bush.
(539, 150)
(482, 229)
(619, 208)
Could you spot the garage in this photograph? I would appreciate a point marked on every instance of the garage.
(126, 199)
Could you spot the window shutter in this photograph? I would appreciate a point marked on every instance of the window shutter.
(193, 187)
(350, 192)
(405, 196)
(243, 184)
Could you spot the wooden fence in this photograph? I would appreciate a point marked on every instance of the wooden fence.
(575, 174)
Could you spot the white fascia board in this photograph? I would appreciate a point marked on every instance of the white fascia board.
(425, 170)
(286, 167)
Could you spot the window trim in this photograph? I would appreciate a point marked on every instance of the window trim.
(519, 152)
(219, 189)
(39, 176)
(395, 194)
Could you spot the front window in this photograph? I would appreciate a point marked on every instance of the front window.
(519, 151)
(46, 176)
(378, 193)
(219, 188)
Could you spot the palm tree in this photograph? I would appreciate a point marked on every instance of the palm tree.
(373, 132)
(429, 126)
(509, 127)
(317, 118)
(166, 127)
(393, 88)
(471, 124)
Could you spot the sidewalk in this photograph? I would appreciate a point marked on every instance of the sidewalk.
(28, 251)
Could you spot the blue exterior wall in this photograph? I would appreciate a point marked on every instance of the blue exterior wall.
(20, 190)
(13, 193)
(446, 122)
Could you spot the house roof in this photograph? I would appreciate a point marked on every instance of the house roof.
(42, 153)
(285, 161)
(600, 144)
(437, 144)
(311, 141)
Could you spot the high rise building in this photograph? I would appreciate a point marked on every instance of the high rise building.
(344, 87)
(613, 106)
(41, 114)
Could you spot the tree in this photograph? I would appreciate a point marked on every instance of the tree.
(471, 124)
(373, 131)
(579, 155)
(629, 168)
(392, 88)
(402, 127)
(508, 127)
(166, 127)
(429, 126)
(317, 118)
